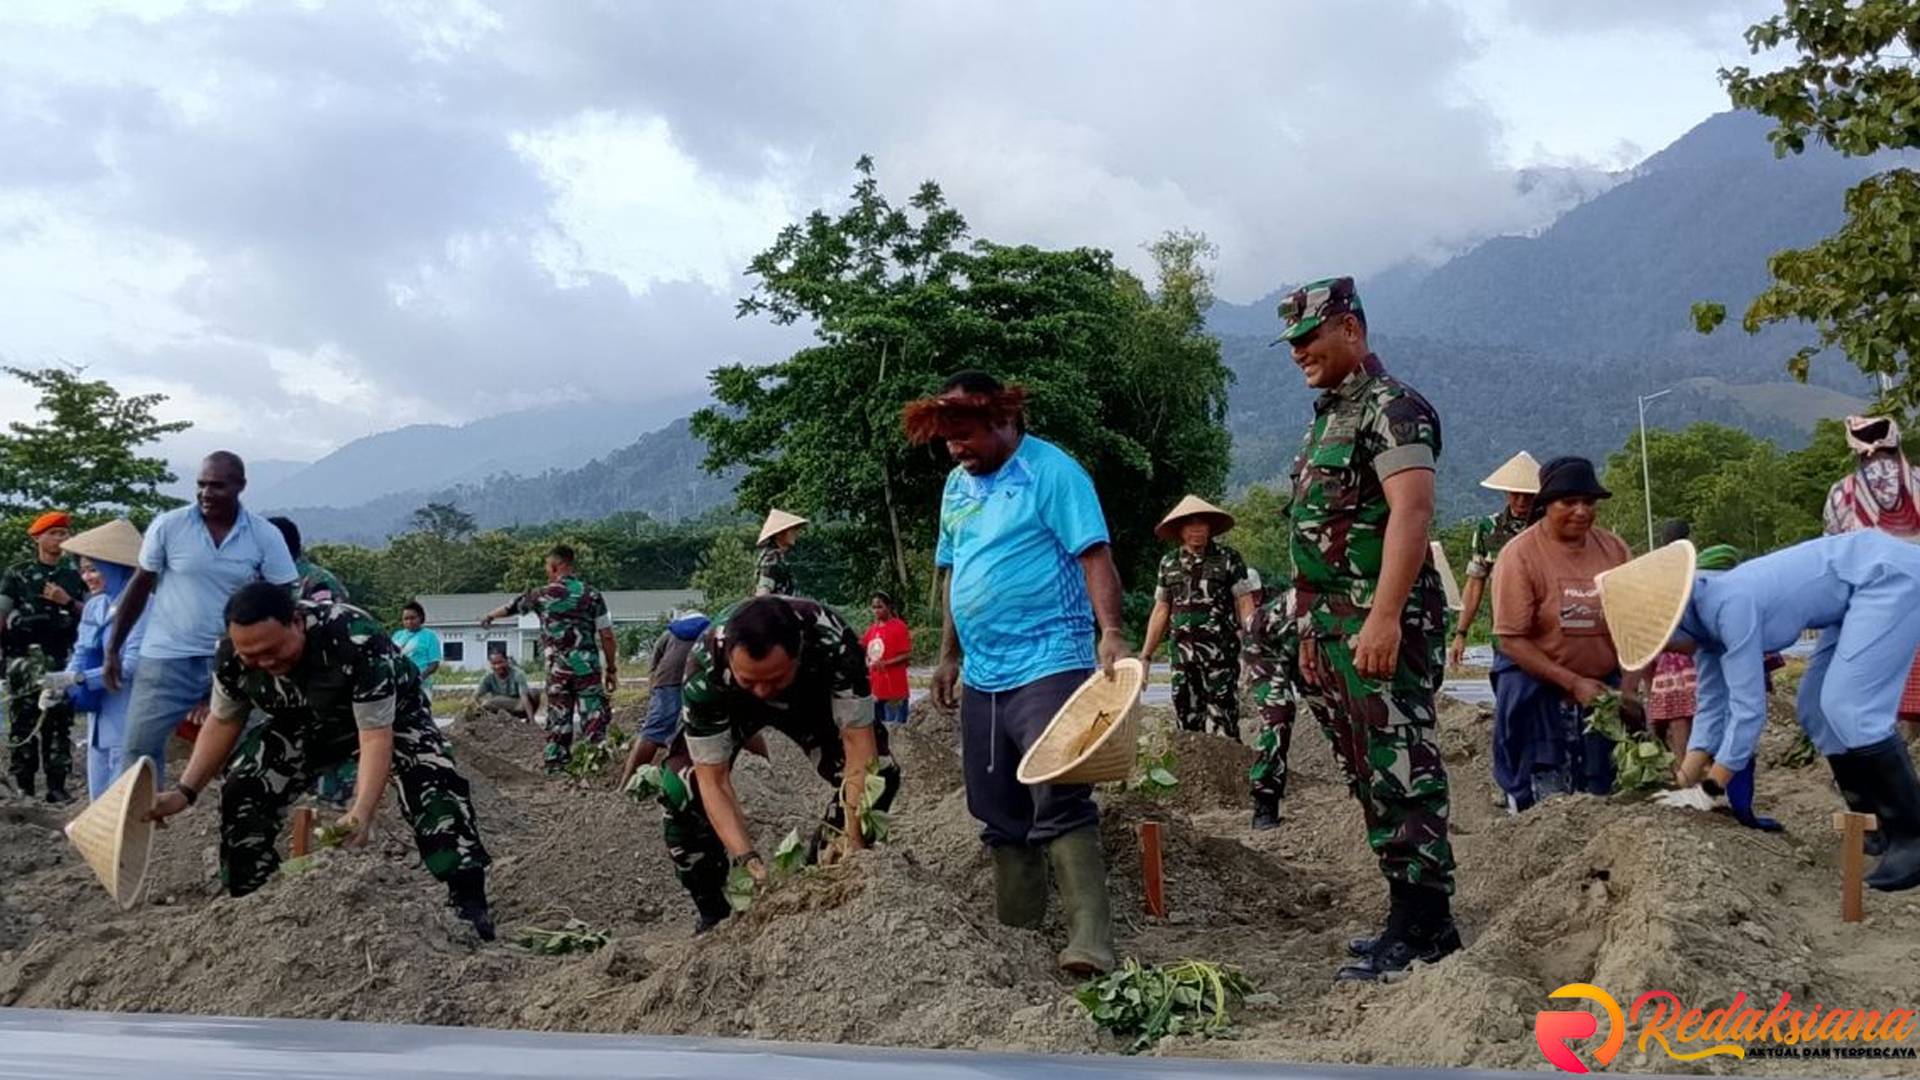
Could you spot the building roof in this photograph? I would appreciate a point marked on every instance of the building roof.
(625, 605)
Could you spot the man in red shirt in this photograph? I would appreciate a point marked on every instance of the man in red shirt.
(888, 646)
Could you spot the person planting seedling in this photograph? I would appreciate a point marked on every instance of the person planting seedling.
(333, 687)
(794, 666)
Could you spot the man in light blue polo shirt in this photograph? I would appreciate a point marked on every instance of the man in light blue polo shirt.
(1030, 576)
(192, 560)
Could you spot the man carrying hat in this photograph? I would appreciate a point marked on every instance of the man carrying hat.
(1205, 591)
(1371, 611)
(1861, 590)
(1519, 479)
(333, 687)
(40, 603)
(778, 534)
(1029, 576)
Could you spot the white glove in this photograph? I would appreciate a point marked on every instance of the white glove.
(1693, 798)
(58, 682)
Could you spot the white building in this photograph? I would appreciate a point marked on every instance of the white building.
(456, 618)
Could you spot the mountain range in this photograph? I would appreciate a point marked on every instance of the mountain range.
(1540, 342)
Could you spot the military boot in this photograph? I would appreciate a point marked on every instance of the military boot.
(1266, 812)
(1019, 885)
(1420, 928)
(467, 895)
(25, 783)
(1080, 869)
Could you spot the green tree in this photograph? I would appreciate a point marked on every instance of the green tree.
(82, 454)
(1732, 488)
(726, 572)
(1123, 379)
(1854, 85)
(1260, 533)
(443, 520)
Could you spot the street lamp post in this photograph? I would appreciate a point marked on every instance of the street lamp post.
(1646, 472)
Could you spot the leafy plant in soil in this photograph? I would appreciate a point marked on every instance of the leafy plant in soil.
(325, 838)
(1157, 777)
(575, 937)
(588, 759)
(1640, 762)
(1193, 997)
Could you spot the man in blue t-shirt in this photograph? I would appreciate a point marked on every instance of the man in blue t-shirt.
(1029, 576)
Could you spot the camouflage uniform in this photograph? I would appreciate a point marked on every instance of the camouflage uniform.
(1200, 591)
(572, 614)
(1490, 535)
(829, 693)
(351, 677)
(316, 582)
(1272, 662)
(1369, 427)
(38, 639)
(771, 571)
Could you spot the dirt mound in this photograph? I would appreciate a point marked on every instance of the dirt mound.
(899, 946)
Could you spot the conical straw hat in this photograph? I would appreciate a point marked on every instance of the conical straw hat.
(1193, 506)
(1447, 581)
(1644, 600)
(114, 835)
(116, 542)
(1078, 747)
(778, 521)
(1521, 473)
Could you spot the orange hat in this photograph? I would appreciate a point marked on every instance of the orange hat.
(52, 519)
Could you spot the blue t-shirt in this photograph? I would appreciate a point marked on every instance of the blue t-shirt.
(187, 615)
(1013, 541)
(421, 646)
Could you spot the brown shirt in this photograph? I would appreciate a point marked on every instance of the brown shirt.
(1543, 591)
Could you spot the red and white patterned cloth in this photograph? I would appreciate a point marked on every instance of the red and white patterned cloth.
(1671, 695)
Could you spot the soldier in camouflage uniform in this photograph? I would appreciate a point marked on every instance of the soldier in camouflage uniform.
(40, 603)
(316, 582)
(333, 686)
(791, 665)
(771, 574)
(1371, 612)
(572, 614)
(1271, 663)
(1205, 593)
(1519, 479)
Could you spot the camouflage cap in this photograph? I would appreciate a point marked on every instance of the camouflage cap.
(1307, 307)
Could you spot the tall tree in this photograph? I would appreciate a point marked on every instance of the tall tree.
(1123, 379)
(1732, 487)
(443, 520)
(82, 454)
(1854, 85)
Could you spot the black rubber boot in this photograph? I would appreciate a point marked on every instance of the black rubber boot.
(1419, 928)
(1884, 773)
(467, 894)
(1080, 870)
(25, 784)
(57, 790)
(1850, 776)
(1266, 812)
(1019, 885)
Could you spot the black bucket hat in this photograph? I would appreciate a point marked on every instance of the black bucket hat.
(1568, 478)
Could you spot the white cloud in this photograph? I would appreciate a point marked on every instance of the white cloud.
(307, 222)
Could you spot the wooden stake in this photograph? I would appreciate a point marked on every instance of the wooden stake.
(302, 829)
(1150, 869)
(1853, 830)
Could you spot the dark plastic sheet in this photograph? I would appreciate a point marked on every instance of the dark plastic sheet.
(44, 1045)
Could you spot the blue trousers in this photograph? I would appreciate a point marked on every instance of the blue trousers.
(1850, 695)
(163, 692)
(1540, 744)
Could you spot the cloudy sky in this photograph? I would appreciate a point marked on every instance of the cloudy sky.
(306, 222)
